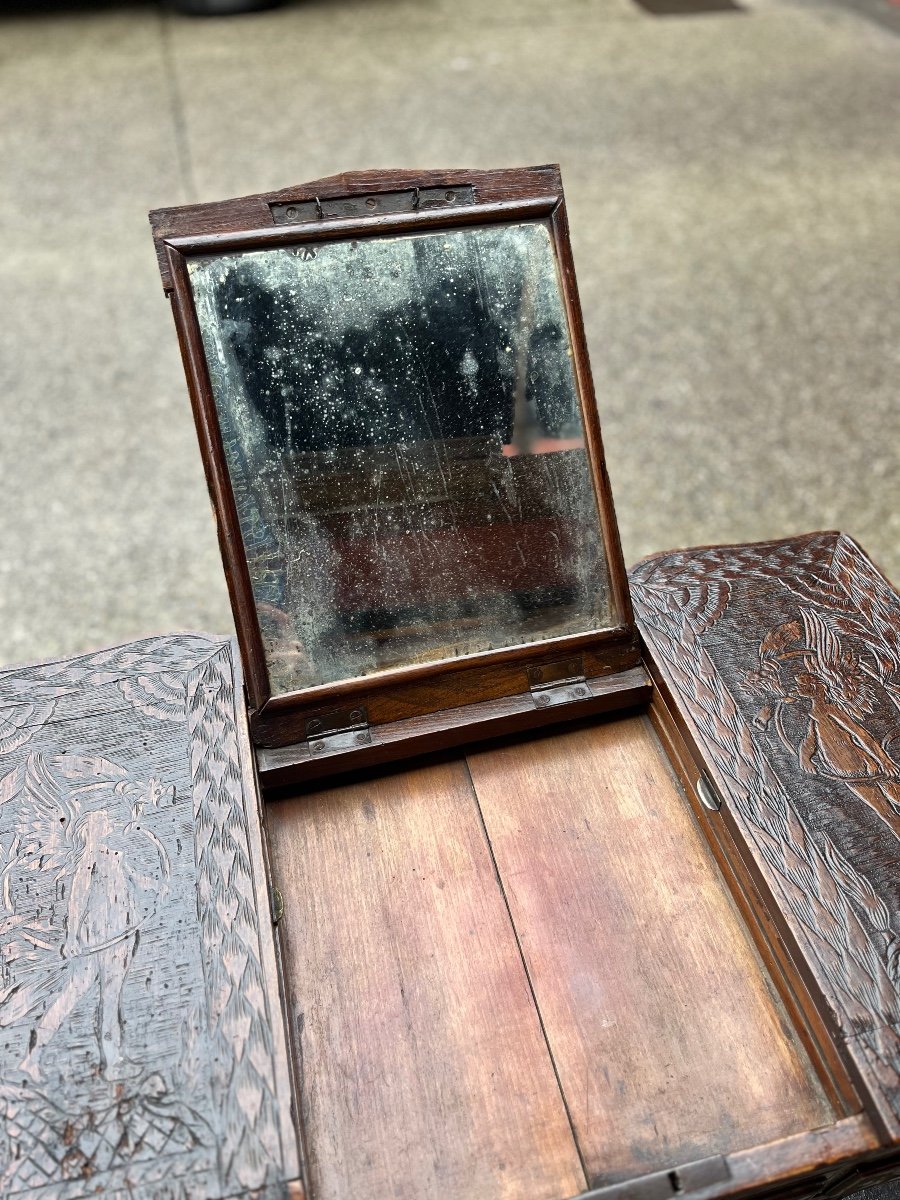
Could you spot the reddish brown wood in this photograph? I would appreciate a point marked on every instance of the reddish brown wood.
(763, 925)
(610, 526)
(526, 208)
(800, 1167)
(253, 212)
(668, 1040)
(237, 574)
(777, 670)
(423, 1069)
(410, 692)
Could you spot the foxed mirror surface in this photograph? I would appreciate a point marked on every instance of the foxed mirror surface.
(403, 434)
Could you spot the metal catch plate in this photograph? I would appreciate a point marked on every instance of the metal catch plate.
(339, 729)
(665, 1185)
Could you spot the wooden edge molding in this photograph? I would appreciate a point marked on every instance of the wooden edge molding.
(255, 212)
(813, 1159)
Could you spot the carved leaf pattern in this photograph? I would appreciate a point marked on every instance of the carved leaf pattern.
(159, 695)
(17, 725)
(677, 599)
(149, 657)
(239, 1021)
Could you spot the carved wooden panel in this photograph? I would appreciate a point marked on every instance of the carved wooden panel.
(784, 658)
(142, 1048)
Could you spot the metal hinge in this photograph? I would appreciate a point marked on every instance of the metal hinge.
(665, 1185)
(297, 212)
(339, 729)
(558, 682)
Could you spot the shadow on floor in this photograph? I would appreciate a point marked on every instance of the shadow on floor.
(45, 8)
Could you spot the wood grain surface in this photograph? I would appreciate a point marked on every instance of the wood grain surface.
(669, 1039)
(423, 1069)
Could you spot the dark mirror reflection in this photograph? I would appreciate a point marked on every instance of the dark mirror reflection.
(403, 435)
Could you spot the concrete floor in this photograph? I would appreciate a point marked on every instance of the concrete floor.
(734, 188)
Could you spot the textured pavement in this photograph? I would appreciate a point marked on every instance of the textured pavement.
(734, 194)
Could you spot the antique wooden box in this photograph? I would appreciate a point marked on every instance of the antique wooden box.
(584, 883)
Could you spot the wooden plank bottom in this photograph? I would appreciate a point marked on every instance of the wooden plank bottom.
(669, 1038)
(423, 1069)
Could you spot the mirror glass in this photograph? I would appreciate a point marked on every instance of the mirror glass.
(404, 438)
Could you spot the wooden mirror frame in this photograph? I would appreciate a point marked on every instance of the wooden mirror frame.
(335, 209)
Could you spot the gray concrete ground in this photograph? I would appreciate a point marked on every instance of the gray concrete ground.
(734, 186)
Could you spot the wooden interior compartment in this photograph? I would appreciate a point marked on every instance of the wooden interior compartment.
(521, 974)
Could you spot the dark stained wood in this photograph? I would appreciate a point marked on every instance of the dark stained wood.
(422, 691)
(253, 212)
(142, 1044)
(609, 524)
(437, 732)
(398, 694)
(783, 661)
(231, 544)
(359, 226)
(669, 1039)
(423, 1069)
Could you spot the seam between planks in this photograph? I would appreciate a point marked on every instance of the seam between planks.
(534, 1001)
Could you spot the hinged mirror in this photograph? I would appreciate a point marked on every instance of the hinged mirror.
(399, 429)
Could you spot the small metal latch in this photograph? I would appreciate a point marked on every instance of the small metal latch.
(558, 682)
(339, 729)
(665, 1185)
(709, 797)
(277, 904)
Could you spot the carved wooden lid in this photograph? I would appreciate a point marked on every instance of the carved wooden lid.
(141, 1043)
